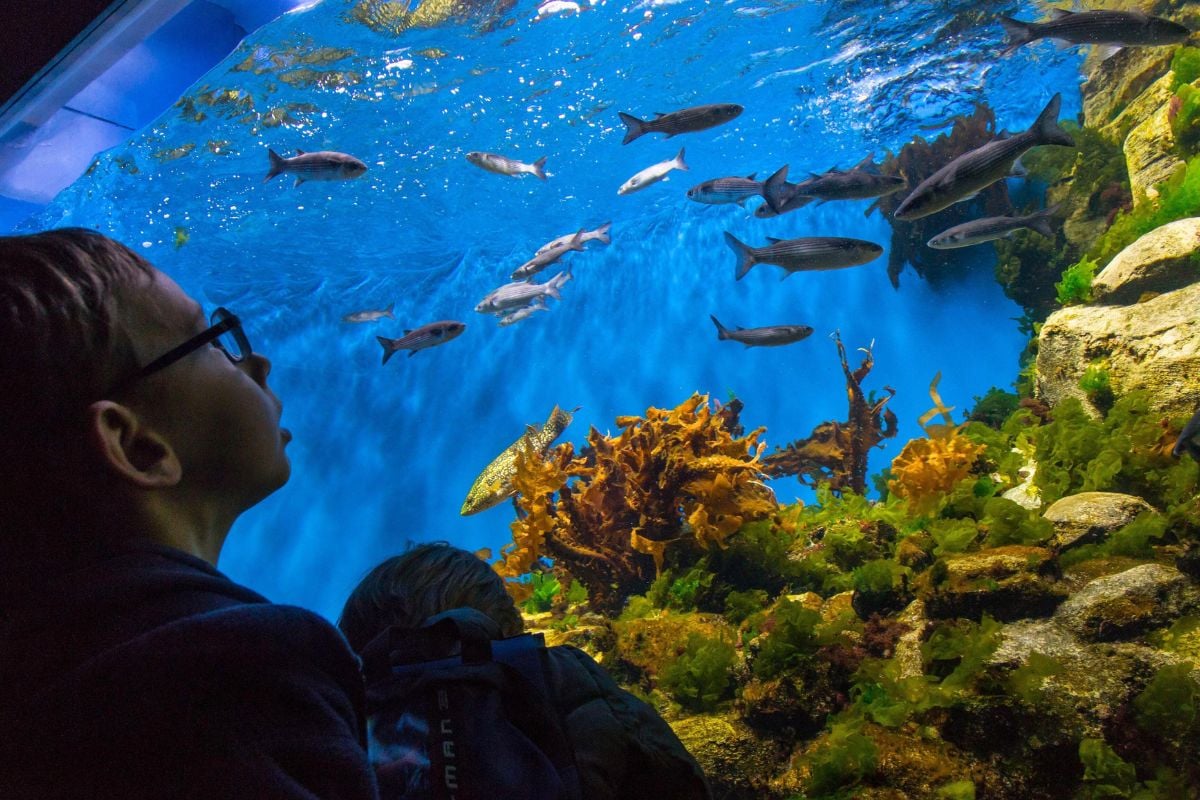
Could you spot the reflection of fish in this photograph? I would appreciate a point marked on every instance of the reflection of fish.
(520, 293)
(804, 254)
(547, 257)
(503, 165)
(494, 484)
(524, 313)
(430, 335)
(963, 177)
(978, 231)
(324, 165)
(686, 121)
(370, 315)
(1122, 28)
(1189, 440)
(599, 235)
(768, 336)
(726, 190)
(652, 174)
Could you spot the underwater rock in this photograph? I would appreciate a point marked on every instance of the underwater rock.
(1007, 583)
(1088, 517)
(1163, 260)
(1150, 155)
(737, 762)
(596, 638)
(788, 706)
(908, 647)
(649, 645)
(1116, 83)
(1139, 109)
(1153, 345)
(1129, 603)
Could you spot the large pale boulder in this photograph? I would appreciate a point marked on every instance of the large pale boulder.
(1115, 83)
(1128, 604)
(1153, 345)
(1165, 259)
(1090, 517)
(1141, 107)
(1150, 156)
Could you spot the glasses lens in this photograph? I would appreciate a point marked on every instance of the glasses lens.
(232, 341)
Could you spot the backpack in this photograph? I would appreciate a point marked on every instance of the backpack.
(453, 714)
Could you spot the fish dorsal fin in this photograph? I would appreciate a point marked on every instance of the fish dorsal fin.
(866, 162)
(834, 168)
(773, 240)
(750, 177)
(740, 328)
(299, 152)
(407, 331)
(1060, 13)
(814, 176)
(658, 114)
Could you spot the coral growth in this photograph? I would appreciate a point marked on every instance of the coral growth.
(836, 452)
(607, 516)
(927, 469)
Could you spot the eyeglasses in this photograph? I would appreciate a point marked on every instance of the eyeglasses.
(225, 334)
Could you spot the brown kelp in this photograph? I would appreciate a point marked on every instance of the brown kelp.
(836, 452)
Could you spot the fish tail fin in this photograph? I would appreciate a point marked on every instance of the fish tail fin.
(1043, 221)
(679, 163)
(634, 127)
(539, 168)
(602, 233)
(1046, 127)
(774, 189)
(387, 345)
(744, 253)
(276, 164)
(1019, 33)
(722, 331)
(387, 312)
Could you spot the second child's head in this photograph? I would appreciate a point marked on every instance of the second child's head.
(408, 589)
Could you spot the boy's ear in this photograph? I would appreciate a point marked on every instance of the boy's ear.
(131, 449)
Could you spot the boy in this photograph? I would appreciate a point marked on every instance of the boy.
(135, 430)
(622, 748)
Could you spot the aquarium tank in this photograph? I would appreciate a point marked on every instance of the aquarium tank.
(871, 474)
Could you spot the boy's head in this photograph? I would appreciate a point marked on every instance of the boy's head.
(407, 589)
(95, 443)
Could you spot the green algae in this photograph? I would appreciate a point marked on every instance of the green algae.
(1167, 706)
(791, 641)
(1076, 284)
(1185, 66)
(994, 407)
(1178, 198)
(741, 605)
(956, 790)
(1096, 384)
(545, 588)
(1131, 541)
(699, 679)
(1007, 522)
(844, 759)
(1105, 773)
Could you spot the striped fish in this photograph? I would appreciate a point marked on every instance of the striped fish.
(726, 190)
(768, 336)
(1121, 28)
(966, 175)
(547, 257)
(503, 165)
(854, 184)
(430, 335)
(978, 231)
(804, 254)
(494, 484)
(599, 235)
(324, 165)
(687, 120)
(520, 293)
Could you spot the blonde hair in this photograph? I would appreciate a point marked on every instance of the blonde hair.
(407, 589)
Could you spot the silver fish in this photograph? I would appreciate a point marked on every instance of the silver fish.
(547, 257)
(519, 294)
(687, 120)
(966, 175)
(853, 184)
(1121, 28)
(512, 318)
(503, 165)
(430, 335)
(804, 254)
(324, 165)
(599, 235)
(987, 229)
(370, 315)
(726, 190)
(768, 336)
(652, 174)
(1189, 439)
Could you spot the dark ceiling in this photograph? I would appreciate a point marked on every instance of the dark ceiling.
(34, 32)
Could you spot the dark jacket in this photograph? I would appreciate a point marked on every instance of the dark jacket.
(623, 748)
(142, 672)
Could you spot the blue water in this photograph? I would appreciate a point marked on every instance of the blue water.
(385, 454)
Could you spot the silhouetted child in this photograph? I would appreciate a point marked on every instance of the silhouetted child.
(622, 747)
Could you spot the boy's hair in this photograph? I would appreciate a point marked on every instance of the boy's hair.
(407, 589)
(63, 343)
